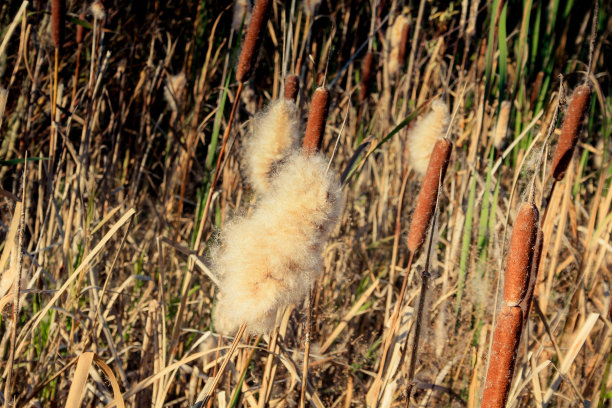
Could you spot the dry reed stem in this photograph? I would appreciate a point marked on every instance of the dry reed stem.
(520, 254)
(252, 41)
(57, 23)
(367, 69)
(292, 87)
(506, 339)
(315, 127)
(428, 195)
(570, 131)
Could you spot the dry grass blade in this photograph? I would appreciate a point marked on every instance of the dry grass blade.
(79, 380)
(84, 264)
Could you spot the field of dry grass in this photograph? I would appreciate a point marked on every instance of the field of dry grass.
(123, 159)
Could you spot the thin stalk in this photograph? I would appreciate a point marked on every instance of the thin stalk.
(306, 350)
(207, 392)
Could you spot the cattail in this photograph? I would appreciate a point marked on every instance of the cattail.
(315, 126)
(57, 23)
(425, 133)
(426, 201)
(569, 131)
(367, 69)
(292, 87)
(275, 136)
(506, 338)
(509, 326)
(270, 259)
(397, 40)
(533, 275)
(79, 29)
(501, 129)
(252, 41)
(242, 14)
(520, 254)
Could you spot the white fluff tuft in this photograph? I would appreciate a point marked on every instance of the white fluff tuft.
(275, 135)
(97, 10)
(425, 133)
(271, 258)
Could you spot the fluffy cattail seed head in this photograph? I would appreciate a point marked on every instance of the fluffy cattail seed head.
(367, 71)
(275, 136)
(570, 130)
(426, 201)
(58, 15)
(252, 41)
(292, 87)
(520, 254)
(501, 129)
(269, 259)
(506, 338)
(425, 133)
(97, 10)
(315, 126)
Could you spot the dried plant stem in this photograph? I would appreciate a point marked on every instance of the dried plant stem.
(207, 392)
(419, 320)
(54, 107)
(306, 350)
(266, 382)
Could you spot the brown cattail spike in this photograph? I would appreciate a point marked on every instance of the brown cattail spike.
(520, 254)
(252, 41)
(569, 131)
(57, 23)
(79, 29)
(533, 276)
(426, 202)
(315, 127)
(292, 87)
(366, 76)
(503, 356)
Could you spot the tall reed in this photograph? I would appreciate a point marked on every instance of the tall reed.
(252, 41)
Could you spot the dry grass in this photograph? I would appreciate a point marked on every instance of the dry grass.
(108, 288)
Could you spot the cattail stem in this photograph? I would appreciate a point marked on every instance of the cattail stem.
(315, 126)
(207, 392)
(306, 350)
